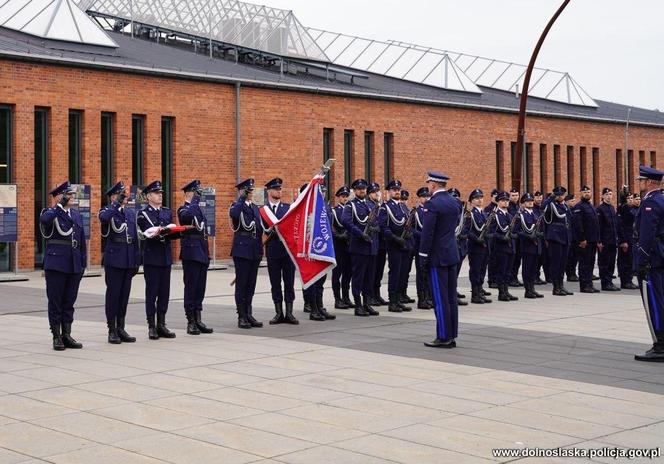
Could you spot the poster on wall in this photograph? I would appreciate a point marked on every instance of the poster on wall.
(136, 198)
(82, 202)
(8, 213)
(208, 205)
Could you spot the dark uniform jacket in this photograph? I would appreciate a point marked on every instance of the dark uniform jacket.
(478, 221)
(65, 240)
(248, 230)
(392, 220)
(585, 222)
(194, 246)
(557, 222)
(650, 224)
(339, 232)
(118, 227)
(526, 229)
(608, 224)
(355, 216)
(627, 215)
(274, 248)
(501, 240)
(438, 241)
(156, 251)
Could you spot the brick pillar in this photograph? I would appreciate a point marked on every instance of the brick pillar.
(122, 148)
(152, 158)
(24, 172)
(91, 174)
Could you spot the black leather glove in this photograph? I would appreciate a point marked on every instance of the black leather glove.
(122, 197)
(408, 235)
(198, 192)
(64, 201)
(462, 237)
(367, 238)
(374, 229)
(399, 241)
(643, 270)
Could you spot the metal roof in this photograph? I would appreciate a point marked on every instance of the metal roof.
(52, 19)
(149, 57)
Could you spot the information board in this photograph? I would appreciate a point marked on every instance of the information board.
(8, 213)
(82, 202)
(208, 205)
(136, 198)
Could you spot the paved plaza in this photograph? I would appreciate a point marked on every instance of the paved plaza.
(556, 372)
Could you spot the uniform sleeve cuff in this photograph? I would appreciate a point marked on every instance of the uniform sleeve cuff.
(424, 255)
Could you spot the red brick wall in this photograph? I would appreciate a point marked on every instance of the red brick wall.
(281, 135)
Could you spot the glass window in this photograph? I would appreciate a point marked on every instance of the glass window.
(500, 164)
(137, 149)
(528, 170)
(388, 148)
(41, 177)
(544, 168)
(5, 173)
(630, 170)
(167, 159)
(557, 166)
(653, 159)
(348, 156)
(620, 170)
(583, 171)
(107, 153)
(327, 154)
(571, 185)
(369, 156)
(596, 185)
(75, 145)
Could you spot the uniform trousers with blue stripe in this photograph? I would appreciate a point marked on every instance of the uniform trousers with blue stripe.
(655, 308)
(443, 288)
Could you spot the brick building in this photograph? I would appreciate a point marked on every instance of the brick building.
(163, 105)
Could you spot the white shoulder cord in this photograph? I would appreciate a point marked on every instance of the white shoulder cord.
(336, 218)
(528, 230)
(362, 222)
(41, 228)
(391, 217)
(477, 228)
(418, 220)
(502, 229)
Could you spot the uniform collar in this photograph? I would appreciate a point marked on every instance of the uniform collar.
(274, 205)
(438, 191)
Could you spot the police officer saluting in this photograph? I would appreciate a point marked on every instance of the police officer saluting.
(279, 265)
(650, 260)
(65, 259)
(195, 257)
(586, 235)
(157, 258)
(359, 218)
(608, 242)
(440, 255)
(247, 252)
(342, 273)
(392, 219)
(121, 260)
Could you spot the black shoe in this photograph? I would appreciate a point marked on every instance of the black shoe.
(58, 344)
(557, 289)
(393, 306)
(192, 328)
(422, 302)
(476, 295)
(539, 281)
(629, 286)
(610, 288)
(289, 318)
(515, 283)
(380, 301)
(122, 333)
(199, 322)
(589, 289)
(438, 343)
(339, 304)
(67, 338)
(113, 337)
(250, 317)
(359, 308)
(242, 321)
(485, 292)
(530, 295)
(162, 330)
(369, 309)
(596, 277)
(307, 307)
(152, 329)
(567, 292)
(572, 278)
(326, 315)
(346, 299)
(651, 355)
(503, 294)
(316, 314)
(460, 296)
(493, 285)
(279, 317)
(461, 302)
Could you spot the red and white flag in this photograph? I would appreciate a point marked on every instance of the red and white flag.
(306, 232)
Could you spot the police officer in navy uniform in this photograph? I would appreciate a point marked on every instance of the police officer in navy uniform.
(424, 297)
(502, 246)
(121, 260)
(650, 259)
(440, 255)
(572, 255)
(478, 248)
(157, 258)
(247, 251)
(608, 243)
(492, 265)
(65, 258)
(538, 198)
(392, 219)
(195, 256)
(627, 214)
(527, 228)
(585, 225)
(410, 214)
(379, 261)
(558, 236)
(360, 219)
(513, 208)
(342, 273)
(461, 232)
(280, 267)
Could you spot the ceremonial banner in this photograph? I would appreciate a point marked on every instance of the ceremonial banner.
(306, 232)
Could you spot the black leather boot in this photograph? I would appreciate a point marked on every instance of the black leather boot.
(557, 288)
(393, 306)
(345, 297)
(530, 290)
(113, 337)
(199, 322)
(422, 301)
(379, 300)
(279, 316)
(67, 338)
(484, 294)
(654, 354)
(58, 344)
(502, 293)
(307, 305)
(162, 330)
(339, 303)
(251, 319)
(562, 287)
(152, 329)
(359, 308)
(429, 298)
(316, 313)
(122, 333)
(400, 299)
(289, 318)
(439, 343)
(368, 308)
(476, 297)
(192, 328)
(242, 321)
